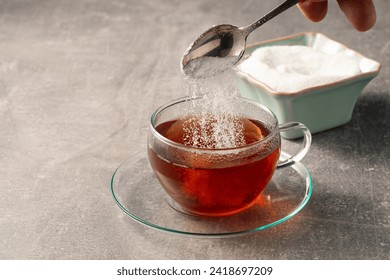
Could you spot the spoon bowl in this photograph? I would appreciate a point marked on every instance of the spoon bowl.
(223, 40)
(224, 44)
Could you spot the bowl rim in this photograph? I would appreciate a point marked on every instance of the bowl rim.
(353, 78)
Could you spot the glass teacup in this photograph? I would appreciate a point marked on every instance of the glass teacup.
(217, 181)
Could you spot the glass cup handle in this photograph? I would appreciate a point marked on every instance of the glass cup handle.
(305, 144)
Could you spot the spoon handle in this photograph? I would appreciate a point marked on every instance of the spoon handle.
(281, 8)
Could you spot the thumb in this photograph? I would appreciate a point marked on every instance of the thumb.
(314, 10)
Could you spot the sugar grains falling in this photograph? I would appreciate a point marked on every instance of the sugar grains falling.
(211, 121)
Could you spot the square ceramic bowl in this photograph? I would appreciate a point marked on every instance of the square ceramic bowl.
(320, 107)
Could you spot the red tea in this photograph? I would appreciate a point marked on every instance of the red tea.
(205, 184)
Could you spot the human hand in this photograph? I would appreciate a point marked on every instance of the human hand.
(361, 13)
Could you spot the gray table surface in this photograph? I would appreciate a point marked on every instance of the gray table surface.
(78, 81)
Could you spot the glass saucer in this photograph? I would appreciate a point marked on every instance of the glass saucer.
(138, 193)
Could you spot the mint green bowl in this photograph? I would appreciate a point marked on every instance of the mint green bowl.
(319, 108)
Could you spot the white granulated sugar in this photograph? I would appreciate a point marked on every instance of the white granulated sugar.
(206, 66)
(290, 69)
(213, 122)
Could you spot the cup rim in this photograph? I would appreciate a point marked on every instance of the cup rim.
(274, 128)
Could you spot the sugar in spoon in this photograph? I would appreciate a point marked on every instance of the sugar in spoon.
(222, 46)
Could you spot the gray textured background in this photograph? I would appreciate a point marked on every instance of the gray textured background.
(78, 81)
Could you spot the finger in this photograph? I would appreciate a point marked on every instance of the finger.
(361, 14)
(314, 10)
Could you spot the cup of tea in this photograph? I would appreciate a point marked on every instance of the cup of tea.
(205, 177)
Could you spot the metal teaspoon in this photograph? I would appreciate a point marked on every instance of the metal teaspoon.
(224, 41)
